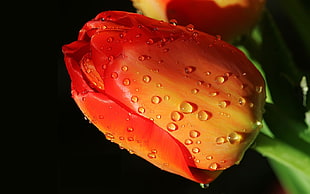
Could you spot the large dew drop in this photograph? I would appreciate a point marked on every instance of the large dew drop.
(195, 150)
(126, 82)
(213, 166)
(156, 99)
(189, 69)
(187, 107)
(176, 116)
(234, 138)
(220, 79)
(172, 126)
(203, 115)
(146, 78)
(194, 134)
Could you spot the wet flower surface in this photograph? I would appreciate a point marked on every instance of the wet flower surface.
(186, 101)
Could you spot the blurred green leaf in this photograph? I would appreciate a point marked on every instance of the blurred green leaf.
(294, 181)
(291, 165)
(286, 128)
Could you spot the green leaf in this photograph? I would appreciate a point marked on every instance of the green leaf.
(294, 181)
(286, 128)
(291, 165)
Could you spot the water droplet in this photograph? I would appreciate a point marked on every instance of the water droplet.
(218, 37)
(121, 35)
(213, 94)
(172, 126)
(227, 74)
(189, 69)
(195, 150)
(188, 142)
(173, 22)
(220, 140)
(166, 97)
(194, 133)
(146, 78)
(131, 151)
(101, 117)
(114, 75)
(111, 58)
(156, 99)
(199, 83)
(130, 129)
(138, 35)
(121, 138)
(213, 166)
(242, 86)
(141, 58)
(241, 101)
(124, 68)
(190, 27)
(158, 116)
(110, 39)
(166, 50)
(208, 73)
(220, 79)
(134, 99)
(141, 110)
(225, 114)
(176, 116)
(203, 115)
(198, 142)
(151, 155)
(149, 41)
(154, 151)
(195, 35)
(234, 137)
(259, 89)
(223, 104)
(126, 82)
(209, 157)
(258, 125)
(89, 70)
(204, 186)
(130, 139)
(109, 136)
(159, 85)
(188, 107)
(194, 91)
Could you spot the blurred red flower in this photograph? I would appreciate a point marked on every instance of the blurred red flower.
(218, 17)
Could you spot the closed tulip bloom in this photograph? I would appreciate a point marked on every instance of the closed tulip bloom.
(185, 101)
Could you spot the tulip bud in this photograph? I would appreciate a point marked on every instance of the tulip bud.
(218, 17)
(184, 100)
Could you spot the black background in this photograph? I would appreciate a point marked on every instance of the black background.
(88, 163)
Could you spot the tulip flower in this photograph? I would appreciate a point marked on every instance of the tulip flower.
(185, 101)
(218, 17)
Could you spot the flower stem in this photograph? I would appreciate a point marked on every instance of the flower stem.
(283, 153)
